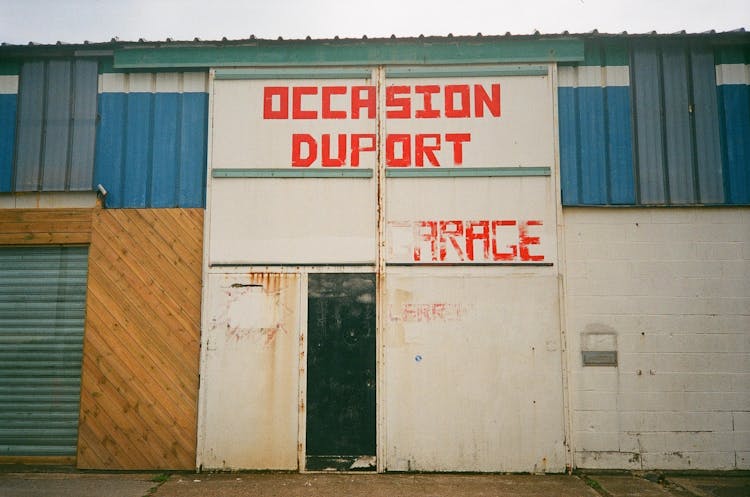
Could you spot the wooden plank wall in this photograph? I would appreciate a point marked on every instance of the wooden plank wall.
(139, 386)
(45, 226)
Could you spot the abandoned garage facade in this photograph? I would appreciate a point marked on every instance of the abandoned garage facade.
(513, 253)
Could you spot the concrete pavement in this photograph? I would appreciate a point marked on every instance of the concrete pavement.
(90, 484)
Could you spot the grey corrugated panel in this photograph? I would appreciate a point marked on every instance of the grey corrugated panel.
(648, 130)
(56, 125)
(41, 345)
(707, 134)
(677, 125)
(84, 124)
(29, 133)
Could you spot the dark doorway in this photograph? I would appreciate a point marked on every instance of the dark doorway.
(341, 372)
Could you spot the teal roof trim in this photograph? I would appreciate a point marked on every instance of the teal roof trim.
(354, 53)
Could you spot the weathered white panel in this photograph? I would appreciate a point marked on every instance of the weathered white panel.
(522, 135)
(245, 137)
(250, 372)
(673, 287)
(510, 220)
(472, 371)
(292, 220)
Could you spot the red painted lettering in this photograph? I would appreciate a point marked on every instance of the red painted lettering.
(421, 149)
(449, 235)
(461, 91)
(326, 112)
(502, 256)
(297, 111)
(482, 100)
(281, 95)
(427, 112)
(298, 159)
(402, 104)
(431, 236)
(357, 147)
(390, 150)
(367, 102)
(478, 231)
(458, 139)
(525, 240)
(326, 159)
(503, 240)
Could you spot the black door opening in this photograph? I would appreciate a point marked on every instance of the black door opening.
(341, 372)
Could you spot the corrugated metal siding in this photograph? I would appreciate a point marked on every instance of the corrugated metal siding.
(734, 111)
(56, 125)
(8, 105)
(595, 135)
(677, 138)
(707, 149)
(667, 147)
(151, 148)
(42, 302)
(647, 93)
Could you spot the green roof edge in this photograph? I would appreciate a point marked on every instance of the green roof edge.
(353, 52)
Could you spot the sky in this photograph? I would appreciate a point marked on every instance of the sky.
(73, 21)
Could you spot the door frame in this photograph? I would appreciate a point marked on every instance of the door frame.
(303, 351)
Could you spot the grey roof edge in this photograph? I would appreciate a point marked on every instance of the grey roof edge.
(115, 43)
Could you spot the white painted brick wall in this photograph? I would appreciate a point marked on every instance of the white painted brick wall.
(673, 286)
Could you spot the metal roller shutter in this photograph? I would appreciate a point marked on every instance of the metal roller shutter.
(42, 307)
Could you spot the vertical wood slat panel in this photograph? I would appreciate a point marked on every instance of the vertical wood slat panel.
(142, 341)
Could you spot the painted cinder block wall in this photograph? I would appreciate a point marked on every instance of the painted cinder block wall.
(660, 129)
(673, 287)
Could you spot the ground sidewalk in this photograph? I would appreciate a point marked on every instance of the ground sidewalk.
(98, 484)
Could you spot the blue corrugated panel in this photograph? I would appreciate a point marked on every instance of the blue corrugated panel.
(166, 144)
(192, 185)
(568, 132)
(151, 149)
(8, 105)
(735, 115)
(109, 145)
(138, 150)
(620, 141)
(595, 145)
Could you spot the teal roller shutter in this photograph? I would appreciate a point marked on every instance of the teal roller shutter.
(42, 307)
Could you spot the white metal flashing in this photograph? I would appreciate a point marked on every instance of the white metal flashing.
(8, 85)
(732, 74)
(593, 76)
(171, 82)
